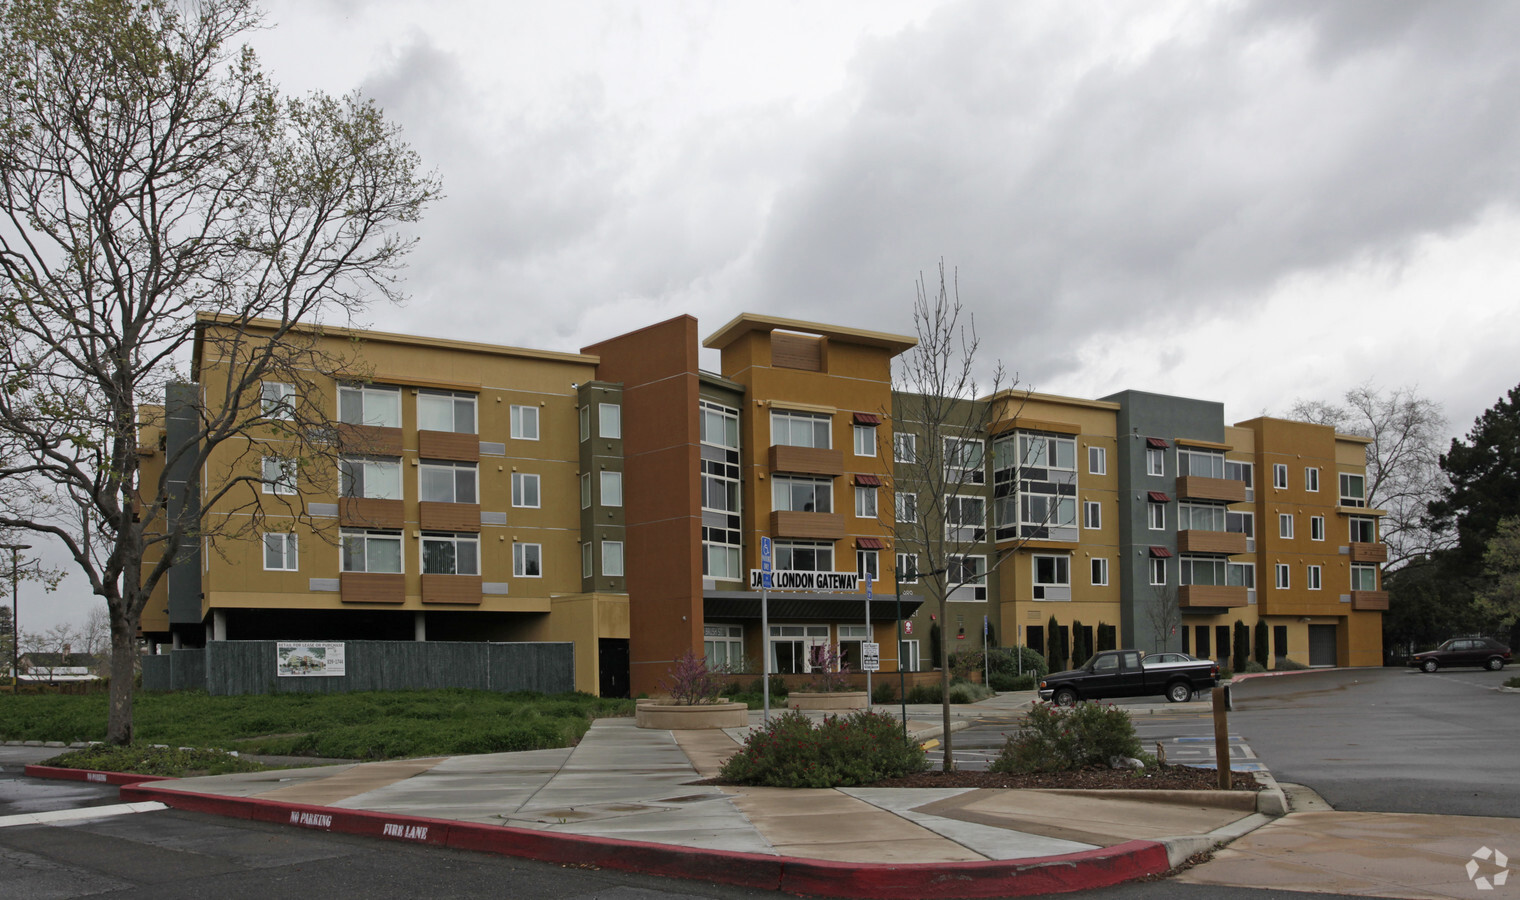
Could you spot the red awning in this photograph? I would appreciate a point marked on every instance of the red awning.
(867, 419)
(1158, 497)
(867, 543)
(1156, 442)
(1160, 553)
(868, 480)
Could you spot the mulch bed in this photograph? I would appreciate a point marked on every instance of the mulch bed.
(1169, 778)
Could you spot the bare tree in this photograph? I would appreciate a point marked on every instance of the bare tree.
(154, 187)
(1403, 468)
(1165, 615)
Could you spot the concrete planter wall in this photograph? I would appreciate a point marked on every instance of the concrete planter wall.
(675, 717)
(836, 700)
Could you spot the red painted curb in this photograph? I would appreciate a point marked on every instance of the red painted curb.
(908, 881)
(90, 775)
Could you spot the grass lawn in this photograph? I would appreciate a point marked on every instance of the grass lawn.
(374, 725)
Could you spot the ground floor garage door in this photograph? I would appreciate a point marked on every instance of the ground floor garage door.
(1321, 645)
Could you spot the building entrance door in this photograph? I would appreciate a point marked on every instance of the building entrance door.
(612, 660)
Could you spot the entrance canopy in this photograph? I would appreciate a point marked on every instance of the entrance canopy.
(801, 606)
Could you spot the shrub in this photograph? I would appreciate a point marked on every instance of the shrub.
(884, 692)
(1253, 667)
(1285, 664)
(838, 752)
(1002, 682)
(925, 693)
(969, 692)
(691, 681)
(1052, 739)
(1513, 682)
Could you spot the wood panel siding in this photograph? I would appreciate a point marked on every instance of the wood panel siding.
(814, 525)
(1194, 541)
(797, 351)
(1197, 487)
(369, 440)
(1369, 553)
(448, 445)
(452, 588)
(806, 460)
(366, 512)
(435, 516)
(1197, 596)
(1369, 600)
(370, 587)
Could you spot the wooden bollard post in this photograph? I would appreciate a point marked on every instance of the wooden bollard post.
(1222, 735)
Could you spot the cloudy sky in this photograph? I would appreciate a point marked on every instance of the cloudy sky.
(1243, 202)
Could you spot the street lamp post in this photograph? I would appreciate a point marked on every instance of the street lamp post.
(15, 613)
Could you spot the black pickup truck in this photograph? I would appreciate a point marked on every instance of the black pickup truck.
(1123, 673)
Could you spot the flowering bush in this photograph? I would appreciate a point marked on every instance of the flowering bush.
(691, 682)
(830, 673)
(837, 752)
(1052, 739)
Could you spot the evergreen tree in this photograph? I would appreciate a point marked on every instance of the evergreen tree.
(1484, 479)
(1261, 642)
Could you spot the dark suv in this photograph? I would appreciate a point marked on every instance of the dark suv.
(1485, 652)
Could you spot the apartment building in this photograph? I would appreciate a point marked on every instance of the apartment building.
(619, 498)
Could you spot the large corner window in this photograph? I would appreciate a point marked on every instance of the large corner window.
(791, 428)
(369, 404)
(1200, 463)
(721, 523)
(963, 461)
(446, 411)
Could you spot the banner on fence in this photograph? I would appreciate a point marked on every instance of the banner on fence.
(309, 659)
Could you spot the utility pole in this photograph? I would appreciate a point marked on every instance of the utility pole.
(15, 613)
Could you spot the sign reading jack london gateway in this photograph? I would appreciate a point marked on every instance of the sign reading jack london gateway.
(819, 582)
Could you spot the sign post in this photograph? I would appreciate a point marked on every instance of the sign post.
(765, 627)
(869, 668)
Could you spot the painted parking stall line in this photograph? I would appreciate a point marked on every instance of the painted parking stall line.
(82, 814)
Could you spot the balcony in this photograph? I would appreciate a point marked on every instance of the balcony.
(452, 589)
(369, 440)
(1195, 541)
(811, 525)
(806, 460)
(1369, 553)
(435, 516)
(448, 445)
(1210, 596)
(367, 512)
(1369, 600)
(1197, 487)
(369, 587)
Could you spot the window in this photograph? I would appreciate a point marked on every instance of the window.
(525, 423)
(1311, 479)
(1316, 528)
(721, 524)
(1241, 575)
(447, 482)
(1239, 471)
(1156, 515)
(1285, 525)
(277, 399)
(612, 559)
(1282, 576)
(908, 655)
(446, 411)
(612, 488)
(370, 551)
(907, 568)
(1097, 461)
(527, 560)
(450, 554)
(868, 564)
(965, 518)
(1203, 570)
(965, 571)
(1364, 578)
(1039, 451)
(792, 493)
(804, 556)
(1280, 476)
(371, 477)
(368, 404)
(1099, 572)
(907, 507)
(280, 552)
(1092, 514)
(865, 502)
(525, 490)
(963, 461)
(1314, 574)
(1353, 490)
(724, 647)
(278, 474)
(1155, 461)
(1200, 517)
(586, 490)
(609, 420)
(720, 425)
(790, 428)
(1052, 571)
(1240, 523)
(865, 440)
(585, 415)
(721, 561)
(1158, 571)
(586, 568)
(1363, 530)
(1200, 463)
(904, 447)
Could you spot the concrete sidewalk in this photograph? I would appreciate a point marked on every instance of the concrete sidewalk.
(624, 797)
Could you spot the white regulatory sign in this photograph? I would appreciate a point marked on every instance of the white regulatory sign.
(870, 657)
